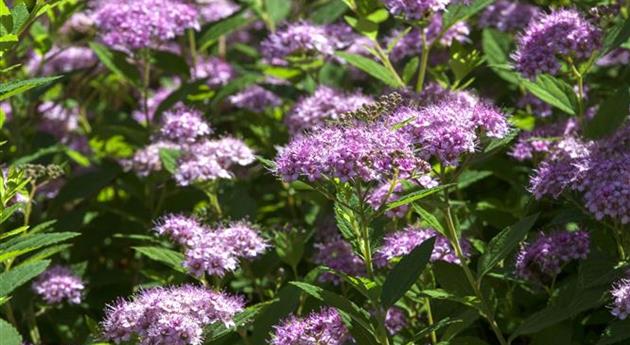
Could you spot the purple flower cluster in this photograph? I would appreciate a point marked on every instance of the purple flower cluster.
(201, 159)
(363, 151)
(62, 60)
(559, 33)
(337, 254)
(296, 39)
(451, 128)
(621, 299)
(596, 169)
(173, 315)
(619, 56)
(57, 119)
(217, 71)
(179, 228)
(255, 99)
(411, 43)
(324, 104)
(415, 9)
(78, 23)
(184, 125)
(137, 24)
(395, 320)
(543, 139)
(57, 284)
(211, 159)
(324, 327)
(402, 242)
(211, 11)
(147, 160)
(212, 251)
(508, 15)
(543, 259)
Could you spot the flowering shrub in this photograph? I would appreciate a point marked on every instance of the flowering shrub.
(332, 172)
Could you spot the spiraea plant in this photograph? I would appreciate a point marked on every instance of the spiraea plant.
(331, 172)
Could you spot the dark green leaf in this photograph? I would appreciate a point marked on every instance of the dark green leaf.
(402, 277)
(496, 47)
(372, 68)
(171, 62)
(553, 91)
(166, 256)
(410, 69)
(435, 327)
(610, 115)
(8, 334)
(504, 243)
(13, 88)
(278, 10)
(617, 332)
(616, 36)
(16, 277)
(469, 177)
(329, 12)
(223, 28)
(117, 62)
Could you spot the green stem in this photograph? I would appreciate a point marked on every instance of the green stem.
(382, 56)
(474, 283)
(427, 303)
(192, 45)
(424, 61)
(146, 79)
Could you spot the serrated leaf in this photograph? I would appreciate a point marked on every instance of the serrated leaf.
(166, 256)
(553, 91)
(8, 334)
(16, 277)
(25, 244)
(610, 115)
(13, 88)
(406, 272)
(372, 68)
(504, 243)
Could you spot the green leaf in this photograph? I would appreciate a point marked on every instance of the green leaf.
(363, 285)
(25, 244)
(458, 12)
(496, 47)
(573, 300)
(20, 15)
(170, 62)
(166, 256)
(13, 88)
(410, 69)
(39, 154)
(417, 195)
(218, 329)
(366, 27)
(406, 272)
(358, 315)
(429, 218)
(610, 115)
(504, 243)
(117, 62)
(615, 333)
(372, 68)
(553, 91)
(16, 277)
(222, 28)
(329, 12)
(8, 334)
(278, 10)
(616, 36)
(7, 41)
(435, 327)
(469, 177)
(169, 159)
